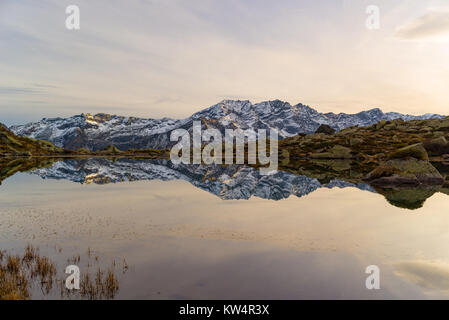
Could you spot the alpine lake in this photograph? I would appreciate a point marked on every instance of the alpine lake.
(150, 229)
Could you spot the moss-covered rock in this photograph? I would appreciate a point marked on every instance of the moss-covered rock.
(336, 152)
(355, 141)
(337, 165)
(443, 124)
(390, 126)
(411, 172)
(416, 151)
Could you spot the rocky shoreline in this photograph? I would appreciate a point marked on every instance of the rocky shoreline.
(401, 152)
(388, 154)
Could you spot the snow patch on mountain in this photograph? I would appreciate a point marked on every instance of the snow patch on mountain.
(98, 131)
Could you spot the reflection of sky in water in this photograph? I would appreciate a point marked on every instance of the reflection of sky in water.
(431, 276)
(185, 242)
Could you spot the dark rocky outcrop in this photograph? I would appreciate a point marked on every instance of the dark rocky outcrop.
(437, 146)
(324, 128)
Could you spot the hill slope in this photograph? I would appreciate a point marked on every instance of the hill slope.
(13, 145)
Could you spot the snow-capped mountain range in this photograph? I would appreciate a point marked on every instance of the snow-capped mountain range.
(96, 132)
(231, 182)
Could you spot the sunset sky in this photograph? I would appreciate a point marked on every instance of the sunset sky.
(171, 58)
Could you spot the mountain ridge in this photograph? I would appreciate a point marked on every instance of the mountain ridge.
(95, 132)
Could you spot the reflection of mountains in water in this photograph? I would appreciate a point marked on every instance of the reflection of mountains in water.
(226, 182)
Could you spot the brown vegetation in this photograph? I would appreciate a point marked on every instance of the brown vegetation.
(21, 274)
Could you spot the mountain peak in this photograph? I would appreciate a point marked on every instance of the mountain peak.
(373, 110)
(233, 101)
(98, 131)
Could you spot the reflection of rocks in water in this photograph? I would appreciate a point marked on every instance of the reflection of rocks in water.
(443, 169)
(407, 198)
(32, 275)
(11, 166)
(326, 170)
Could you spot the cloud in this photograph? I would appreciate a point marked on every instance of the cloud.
(433, 24)
(426, 274)
(35, 88)
(159, 58)
(18, 90)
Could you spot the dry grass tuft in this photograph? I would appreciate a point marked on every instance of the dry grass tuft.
(19, 275)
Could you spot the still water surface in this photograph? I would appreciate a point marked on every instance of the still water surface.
(181, 241)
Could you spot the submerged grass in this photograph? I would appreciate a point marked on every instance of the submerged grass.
(20, 275)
